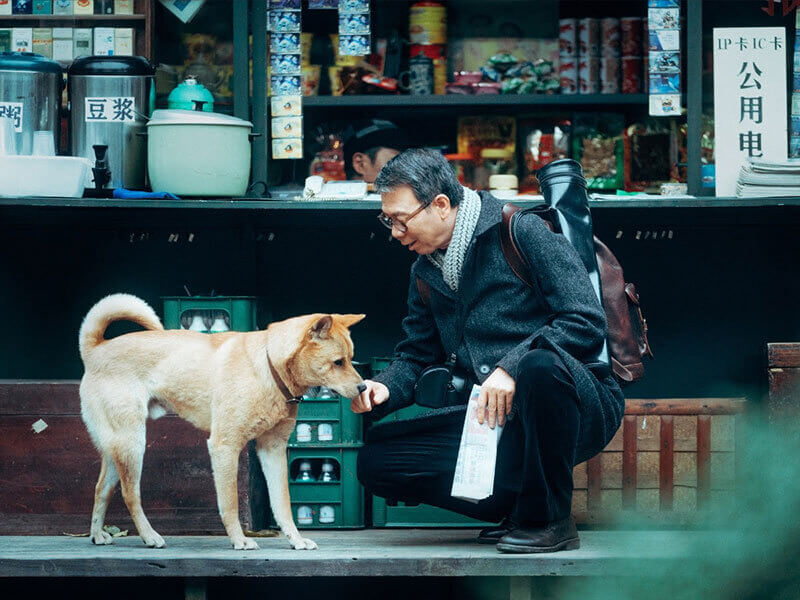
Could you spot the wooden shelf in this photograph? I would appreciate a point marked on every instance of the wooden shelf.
(238, 204)
(72, 18)
(476, 100)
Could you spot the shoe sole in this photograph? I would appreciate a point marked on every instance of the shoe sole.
(570, 544)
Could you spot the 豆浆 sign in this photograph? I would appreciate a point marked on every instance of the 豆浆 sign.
(749, 99)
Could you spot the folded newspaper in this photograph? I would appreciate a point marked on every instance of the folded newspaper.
(477, 455)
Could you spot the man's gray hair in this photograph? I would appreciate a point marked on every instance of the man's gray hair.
(426, 172)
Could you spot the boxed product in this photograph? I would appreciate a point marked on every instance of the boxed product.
(43, 41)
(62, 44)
(22, 39)
(82, 42)
(103, 41)
(123, 41)
(651, 154)
(541, 141)
(597, 145)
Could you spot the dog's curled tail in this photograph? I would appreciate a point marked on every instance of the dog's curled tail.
(116, 307)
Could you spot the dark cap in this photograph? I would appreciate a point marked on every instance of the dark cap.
(371, 133)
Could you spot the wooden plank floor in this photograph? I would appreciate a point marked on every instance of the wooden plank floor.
(375, 552)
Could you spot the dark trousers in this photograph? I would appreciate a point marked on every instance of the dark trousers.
(535, 457)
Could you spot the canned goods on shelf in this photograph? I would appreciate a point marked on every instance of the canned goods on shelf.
(589, 75)
(631, 74)
(609, 75)
(631, 31)
(610, 37)
(568, 75)
(589, 37)
(568, 37)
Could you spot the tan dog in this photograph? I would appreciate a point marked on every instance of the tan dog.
(234, 385)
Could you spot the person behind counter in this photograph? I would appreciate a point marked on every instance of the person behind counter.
(535, 353)
(370, 144)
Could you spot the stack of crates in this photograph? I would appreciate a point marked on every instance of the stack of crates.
(388, 512)
(323, 486)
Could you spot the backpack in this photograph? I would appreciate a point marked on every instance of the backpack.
(627, 327)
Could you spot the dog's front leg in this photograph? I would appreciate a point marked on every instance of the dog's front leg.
(225, 464)
(272, 456)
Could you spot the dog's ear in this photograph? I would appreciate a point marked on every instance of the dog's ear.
(349, 320)
(321, 328)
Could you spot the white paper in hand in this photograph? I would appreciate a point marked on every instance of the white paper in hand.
(477, 455)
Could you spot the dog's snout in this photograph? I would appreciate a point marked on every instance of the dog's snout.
(361, 387)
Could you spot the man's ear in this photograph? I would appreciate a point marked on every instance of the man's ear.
(441, 205)
(321, 328)
(349, 320)
(361, 163)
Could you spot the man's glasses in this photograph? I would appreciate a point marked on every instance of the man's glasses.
(396, 223)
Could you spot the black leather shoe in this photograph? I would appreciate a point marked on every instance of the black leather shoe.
(492, 535)
(552, 537)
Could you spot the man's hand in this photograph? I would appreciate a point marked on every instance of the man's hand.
(497, 395)
(376, 393)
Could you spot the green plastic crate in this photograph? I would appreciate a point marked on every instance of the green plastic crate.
(419, 515)
(346, 496)
(241, 310)
(346, 425)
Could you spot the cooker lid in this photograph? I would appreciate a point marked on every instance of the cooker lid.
(111, 65)
(28, 61)
(194, 117)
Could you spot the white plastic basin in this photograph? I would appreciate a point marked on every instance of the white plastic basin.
(51, 176)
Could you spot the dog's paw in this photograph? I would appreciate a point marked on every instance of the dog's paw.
(101, 538)
(245, 544)
(153, 540)
(303, 544)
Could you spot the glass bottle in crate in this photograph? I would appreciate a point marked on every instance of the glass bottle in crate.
(327, 514)
(325, 432)
(220, 323)
(304, 475)
(197, 323)
(305, 516)
(328, 474)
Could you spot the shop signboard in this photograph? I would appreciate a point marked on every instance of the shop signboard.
(749, 99)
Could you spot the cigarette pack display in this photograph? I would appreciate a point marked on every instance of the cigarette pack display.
(123, 41)
(103, 41)
(22, 7)
(43, 41)
(83, 7)
(62, 7)
(123, 7)
(5, 7)
(42, 7)
(22, 39)
(82, 42)
(5, 40)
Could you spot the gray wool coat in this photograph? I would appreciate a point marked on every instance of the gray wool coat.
(505, 319)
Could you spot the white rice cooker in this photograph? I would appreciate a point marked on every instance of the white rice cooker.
(197, 153)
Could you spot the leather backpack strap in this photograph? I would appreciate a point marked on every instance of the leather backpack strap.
(510, 249)
(424, 291)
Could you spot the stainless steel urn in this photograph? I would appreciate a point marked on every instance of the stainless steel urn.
(30, 94)
(110, 100)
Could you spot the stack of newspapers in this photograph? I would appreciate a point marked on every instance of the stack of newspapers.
(759, 178)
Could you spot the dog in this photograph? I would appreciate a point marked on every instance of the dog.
(238, 386)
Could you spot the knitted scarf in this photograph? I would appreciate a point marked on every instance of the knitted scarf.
(451, 262)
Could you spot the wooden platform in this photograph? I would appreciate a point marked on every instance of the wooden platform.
(367, 553)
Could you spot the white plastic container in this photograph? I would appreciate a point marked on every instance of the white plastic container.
(49, 176)
(197, 153)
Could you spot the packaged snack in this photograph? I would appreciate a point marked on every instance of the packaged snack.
(597, 145)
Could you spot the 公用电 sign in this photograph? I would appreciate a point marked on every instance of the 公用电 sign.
(749, 99)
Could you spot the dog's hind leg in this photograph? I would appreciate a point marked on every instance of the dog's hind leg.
(272, 456)
(225, 464)
(128, 454)
(102, 494)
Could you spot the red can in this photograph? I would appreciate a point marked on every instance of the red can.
(568, 37)
(589, 75)
(631, 74)
(631, 28)
(610, 37)
(432, 51)
(609, 75)
(568, 75)
(589, 37)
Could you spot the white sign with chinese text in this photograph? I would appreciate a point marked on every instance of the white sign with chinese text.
(12, 110)
(749, 99)
(110, 110)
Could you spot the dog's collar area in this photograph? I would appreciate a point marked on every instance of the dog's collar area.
(290, 399)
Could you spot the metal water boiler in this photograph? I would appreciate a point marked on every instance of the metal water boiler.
(111, 98)
(30, 93)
